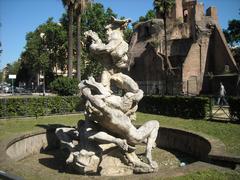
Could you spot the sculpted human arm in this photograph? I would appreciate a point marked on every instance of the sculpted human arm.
(97, 102)
(103, 48)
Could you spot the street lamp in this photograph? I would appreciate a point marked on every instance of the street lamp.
(42, 36)
(12, 76)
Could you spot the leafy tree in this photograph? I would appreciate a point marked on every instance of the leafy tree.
(47, 46)
(45, 50)
(65, 86)
(94, 18)
(236, 55)
(149, 15)
(12, 69)
(128, 34)
(232, 34)
(162, 9)
(1, 76)
(26, 72)
(69, 4)
(80, 7)
(1, 73)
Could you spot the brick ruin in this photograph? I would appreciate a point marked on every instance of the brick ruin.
(197, 50)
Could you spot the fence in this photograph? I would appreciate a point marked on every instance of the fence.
(42, 106)
(169, 87)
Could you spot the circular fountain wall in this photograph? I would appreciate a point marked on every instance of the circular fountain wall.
(175, 148)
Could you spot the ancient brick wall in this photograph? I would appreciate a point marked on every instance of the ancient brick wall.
(196, 48)
(212, 11)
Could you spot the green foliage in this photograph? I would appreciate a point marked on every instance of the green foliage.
(128, 34)
(95, 18)
(236, 55)
(1, 76)
(65, 86)
(214, 174)
(232, 33)
(149, 15)
(12, 69)
(185, 107)
(227, 132)
(45, 49)
(234, 107)
(50, 51)
(39, 106)
(163, 7)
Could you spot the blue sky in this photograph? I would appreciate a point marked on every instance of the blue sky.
(17, 17)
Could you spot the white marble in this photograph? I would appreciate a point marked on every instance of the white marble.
(109, 116)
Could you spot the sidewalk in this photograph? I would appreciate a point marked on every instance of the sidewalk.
(4, 95)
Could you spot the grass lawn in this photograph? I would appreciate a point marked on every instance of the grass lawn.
(210, 174)
(228, 133)
(12, 127)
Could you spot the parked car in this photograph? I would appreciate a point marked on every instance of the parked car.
(21, 90)
(7, 89)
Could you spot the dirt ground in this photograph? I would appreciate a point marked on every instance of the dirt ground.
(51, 164)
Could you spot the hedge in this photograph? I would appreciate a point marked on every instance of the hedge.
(234, 107)
(39, 106)
(177, 106)
(65, 86)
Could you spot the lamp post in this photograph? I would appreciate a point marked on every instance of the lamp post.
(42, 35)
(12, 76)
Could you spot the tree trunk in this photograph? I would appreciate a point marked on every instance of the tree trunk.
(70, 40)
(44, 91)
(79, 47)
(169, 66)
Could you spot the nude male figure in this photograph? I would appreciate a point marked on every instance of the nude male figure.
(114, 53)
(117, 122)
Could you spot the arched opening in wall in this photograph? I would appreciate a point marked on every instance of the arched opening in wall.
(192, 87)
(226, 68)
(185, 15)
(147, 31)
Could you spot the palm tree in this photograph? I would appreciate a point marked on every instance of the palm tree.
(69, 4)
(162, 8)
(80, 7)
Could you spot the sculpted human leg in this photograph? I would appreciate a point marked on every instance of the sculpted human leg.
(105, 79)
(125, 82)
(66, 137)
(118, 122)
(146, 133)
(104, 138)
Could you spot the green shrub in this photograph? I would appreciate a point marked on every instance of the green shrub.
(39, 106)
(185, 107)
(234, 107)
(65, 86)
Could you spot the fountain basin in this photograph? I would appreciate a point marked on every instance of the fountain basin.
(198, 147)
